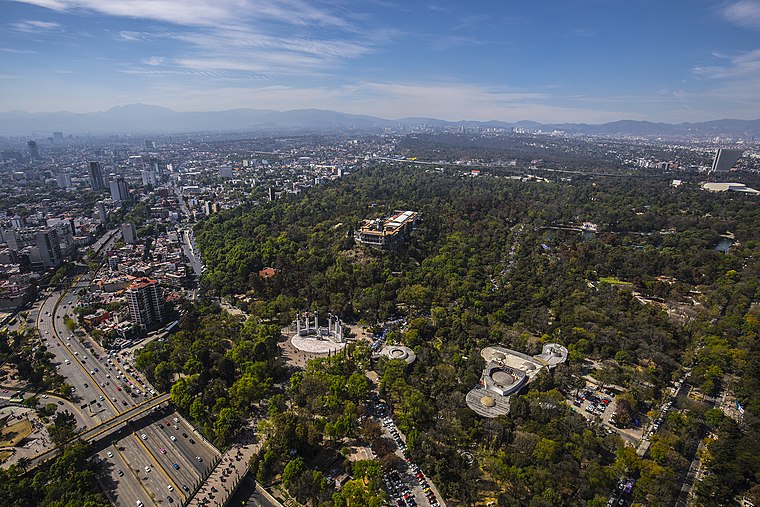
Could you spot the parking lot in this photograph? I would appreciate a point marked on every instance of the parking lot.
(408, 487)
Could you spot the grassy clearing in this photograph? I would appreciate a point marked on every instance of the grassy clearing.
(15, 433)
(614, 281)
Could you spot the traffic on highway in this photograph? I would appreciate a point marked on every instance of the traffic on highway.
(155, 457)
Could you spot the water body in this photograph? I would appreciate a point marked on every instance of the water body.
(724, 245)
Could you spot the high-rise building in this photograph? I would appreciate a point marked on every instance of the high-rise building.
(102, 214)
(50, 250)
(119, 190)
(145, 302)
(155, 166)
(58, 137)
(34, 151)
(129, 233)
(725, 160)
(96, 176)
(148, 178)
(150, 144)
(63, 180)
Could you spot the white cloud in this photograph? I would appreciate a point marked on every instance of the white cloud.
(17, 51)
(745, 64)
(744, 13)
(35, 26)
(202, 12)
(154, 61)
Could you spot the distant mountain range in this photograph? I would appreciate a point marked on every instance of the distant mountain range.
(145, 119)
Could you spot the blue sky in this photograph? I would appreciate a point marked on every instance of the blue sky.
(544, 60)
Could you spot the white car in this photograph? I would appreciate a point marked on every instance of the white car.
(144, 436)
(109, 454)
(147, 468)
(174, 439)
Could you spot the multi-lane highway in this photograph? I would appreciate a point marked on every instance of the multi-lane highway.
(156, 459)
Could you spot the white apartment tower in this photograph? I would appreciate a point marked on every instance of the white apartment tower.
(145, 302)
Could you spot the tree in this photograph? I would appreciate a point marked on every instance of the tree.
(227, 425)
(292, 471)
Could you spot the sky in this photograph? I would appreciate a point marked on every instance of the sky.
(587, 61)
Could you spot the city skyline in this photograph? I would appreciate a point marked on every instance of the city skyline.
(585, 61)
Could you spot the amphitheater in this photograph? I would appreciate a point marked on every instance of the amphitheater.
(506, 373)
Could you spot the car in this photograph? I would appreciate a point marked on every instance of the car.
(199, 459)
(174, 439)
(144, 436)
(176, 466)
(139, 503)
(184, 486)
(170, 487)
(184, 434)
(147, 468)
(118, 388)
(163, 451)
(192, 441)
(86, 385)
(167, 423)
(176, 427)
(109, 454)
(120, 472)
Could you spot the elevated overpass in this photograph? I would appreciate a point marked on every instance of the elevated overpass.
(106, 427)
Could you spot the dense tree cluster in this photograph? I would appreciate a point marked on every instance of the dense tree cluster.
(70, 481)
(32, 361)
(217, 366)
(324, 409)
(493, 261)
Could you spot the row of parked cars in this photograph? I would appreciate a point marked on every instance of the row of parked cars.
(399, 490)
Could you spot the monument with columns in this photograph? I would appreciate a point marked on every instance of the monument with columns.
(316, 339)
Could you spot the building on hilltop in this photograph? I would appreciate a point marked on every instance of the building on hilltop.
(386, 232)
(146, 305)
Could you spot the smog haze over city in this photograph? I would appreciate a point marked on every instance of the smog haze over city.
(586, 61)
(379, 253)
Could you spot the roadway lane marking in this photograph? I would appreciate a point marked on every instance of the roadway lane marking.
(158, 465)
(131, 470)
(55, 333)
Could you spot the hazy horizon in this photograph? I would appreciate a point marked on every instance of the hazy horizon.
(589, 61)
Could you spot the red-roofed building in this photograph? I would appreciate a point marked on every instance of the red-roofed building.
(267, 272)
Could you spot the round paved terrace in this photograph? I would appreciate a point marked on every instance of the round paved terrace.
(487, 403)
(314, 345)
(399, 352)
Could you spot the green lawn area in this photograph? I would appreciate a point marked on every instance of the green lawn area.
(614, 281)
(15, 433)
